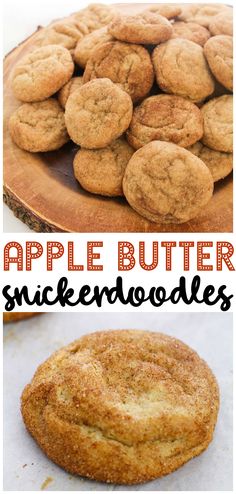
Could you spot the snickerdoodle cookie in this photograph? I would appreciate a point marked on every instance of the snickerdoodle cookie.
(122, 406)
(101, 171)
(95, 16)
(42, 73)
(181, 69)
(88, 43)
(222, 24)
(219, 53)
(191, 31)
(218, 123)
(220, 164)
(123, 63)
(65, 33)
(202, 14)
(39, 127)
(166, 118)
(144, 28)
(17, 316)
(97, 113)
(169, 11)
(68, 89)
(166, 183)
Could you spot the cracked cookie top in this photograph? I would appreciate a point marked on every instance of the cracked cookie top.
(166, 10)
(220, 164)
(218, 123)
(97, 113)
(42, 73)
(101, 171)
(219, 53)
(202, 14)
(88, 43)
(181, 69)
(126, 64)
(146, 28)
(39, 127)
(191, 31)
(166, 183)
(111, 397)
(95, 16)
(165, 118)
(64, 33)
(222, 24)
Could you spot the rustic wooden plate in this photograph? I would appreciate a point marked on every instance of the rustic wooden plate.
(42, 191)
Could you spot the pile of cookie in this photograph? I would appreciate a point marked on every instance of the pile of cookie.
(146, 97)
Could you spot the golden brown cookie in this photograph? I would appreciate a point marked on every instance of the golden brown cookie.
(98, 113)
(101, 171)
(181, 69)
(95, 16)
(166, 183)
(65, 33)
(166, 118)
(220, 164)
(222, 24)
(68, 89)
(88, 43)
(17, 316)
(166, 10)
(202, 14)
(191, 31)
(219, 53)
(42, 73)
(126, 64)
(122, 406)
(218, 123)
(144, 28)
(39, 127)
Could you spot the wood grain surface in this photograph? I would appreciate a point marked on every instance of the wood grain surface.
(41, 189)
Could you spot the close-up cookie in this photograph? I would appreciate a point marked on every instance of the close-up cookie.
(101, 171)
(122, 406)
(17, 316)
(202, 13)
(165, 118)
(220, 164)
(39, 127)
(181, 69)
(88, 43)
(191, 31)
(219, 53)
(166, 183)
(66, 34)
(95, 16)
(170, 11)
(218, 123)
(126, 64)
(68, 89)
(42, 73)
(98, 113)
(144, 28)
(222, 24)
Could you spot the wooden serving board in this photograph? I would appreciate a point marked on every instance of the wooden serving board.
(41, 189)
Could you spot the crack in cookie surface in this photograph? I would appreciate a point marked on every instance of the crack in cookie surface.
(98, 113)
(126, 64)
(117, 399)
(164, 184)
(168, 118)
